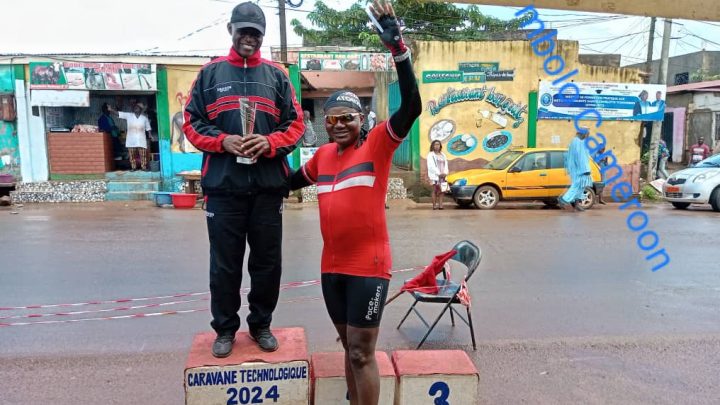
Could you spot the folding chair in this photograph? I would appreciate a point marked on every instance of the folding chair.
(469, 255)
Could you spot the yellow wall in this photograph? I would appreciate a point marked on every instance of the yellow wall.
(179, 78)
(518, 55)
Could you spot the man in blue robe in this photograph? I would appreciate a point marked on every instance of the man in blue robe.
(577, 165)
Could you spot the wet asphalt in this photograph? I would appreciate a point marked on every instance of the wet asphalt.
(565, 306)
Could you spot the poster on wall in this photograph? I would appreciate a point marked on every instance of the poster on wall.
(179, 143)
(614, 101)
(93, 76)
(345, 61)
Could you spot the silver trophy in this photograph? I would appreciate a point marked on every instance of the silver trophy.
(247, 118)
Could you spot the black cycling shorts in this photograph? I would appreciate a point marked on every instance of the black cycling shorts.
(354, 300)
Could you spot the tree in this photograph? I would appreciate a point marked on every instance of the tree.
(421, 21)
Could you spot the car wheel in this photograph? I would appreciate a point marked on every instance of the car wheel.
(681, 205)
(588, 199)
(486, 197)
(715, 199)
(463, 203)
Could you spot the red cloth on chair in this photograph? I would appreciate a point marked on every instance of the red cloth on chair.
(426, 282)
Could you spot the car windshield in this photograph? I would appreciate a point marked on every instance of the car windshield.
(503, 161)
(713, 161)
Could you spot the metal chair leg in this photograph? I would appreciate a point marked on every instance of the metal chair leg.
(452, 316)
(434, 323)
(406, 315)
(472, 330)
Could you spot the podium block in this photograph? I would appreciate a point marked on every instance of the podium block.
(329, 386)
(249, 375)
(435, 377)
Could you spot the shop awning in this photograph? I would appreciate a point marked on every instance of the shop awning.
(322, 84)
(60, 98)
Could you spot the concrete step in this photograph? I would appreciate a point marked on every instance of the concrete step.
(77, 187)
(129, 195)
(133, 176)
(24, 197)
(410, 178)
(128, 186)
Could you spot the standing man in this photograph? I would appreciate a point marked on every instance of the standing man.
(577, 165)
(107, 124)
(663, 155)
(245, 176)
(699, 151)
(309, 137)
(138, 130)
(371, 117)
(602, 163)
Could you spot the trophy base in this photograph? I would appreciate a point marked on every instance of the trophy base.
(245, 160)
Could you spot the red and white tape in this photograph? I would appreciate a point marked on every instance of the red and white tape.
(286, 286)
(144, 315)
(97, 311)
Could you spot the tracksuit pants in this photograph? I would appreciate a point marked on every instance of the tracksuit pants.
(232, 221)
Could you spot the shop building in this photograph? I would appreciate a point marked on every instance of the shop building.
(59, 100)
(481, 98)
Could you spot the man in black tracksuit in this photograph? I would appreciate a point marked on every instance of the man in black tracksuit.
(244, 201)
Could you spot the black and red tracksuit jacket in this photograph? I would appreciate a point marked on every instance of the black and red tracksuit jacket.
(212, 113)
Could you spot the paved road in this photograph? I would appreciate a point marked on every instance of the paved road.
(566, 308)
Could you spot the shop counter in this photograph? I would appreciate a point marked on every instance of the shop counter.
(80, 152)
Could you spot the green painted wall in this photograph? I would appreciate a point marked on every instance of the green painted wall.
(8, 129)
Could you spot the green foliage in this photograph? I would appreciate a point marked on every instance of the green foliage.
(701, 75)
(648, 193)
(421, 21)
(645, 158)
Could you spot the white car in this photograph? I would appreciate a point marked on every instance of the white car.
(699, 184)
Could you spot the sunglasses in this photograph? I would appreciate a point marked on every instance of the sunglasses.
(343, 118)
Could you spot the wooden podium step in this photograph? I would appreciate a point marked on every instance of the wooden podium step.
(249, 375)
(328, 373)
(435, 377)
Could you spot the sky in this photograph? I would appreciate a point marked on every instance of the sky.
(197, 27)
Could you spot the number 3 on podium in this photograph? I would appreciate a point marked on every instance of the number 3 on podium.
(440, 388)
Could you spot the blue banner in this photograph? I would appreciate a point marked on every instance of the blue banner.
(614, 101)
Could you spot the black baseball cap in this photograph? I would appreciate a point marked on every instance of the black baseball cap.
(248, 15)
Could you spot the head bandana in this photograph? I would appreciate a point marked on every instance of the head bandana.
(343, 98)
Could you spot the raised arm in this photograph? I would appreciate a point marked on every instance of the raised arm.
(389, 31)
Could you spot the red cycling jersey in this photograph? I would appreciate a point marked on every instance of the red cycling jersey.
(351, 193)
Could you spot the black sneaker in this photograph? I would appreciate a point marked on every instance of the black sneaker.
(265, 339)
(578, 206)
(222, 347)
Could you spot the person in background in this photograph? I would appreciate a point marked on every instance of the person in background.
(699, 151)
(577, 165)
(309, 137)
(602, 163)
(107, 124)
(370, 118)
(663, 155)
(437, 165)
(138, 131)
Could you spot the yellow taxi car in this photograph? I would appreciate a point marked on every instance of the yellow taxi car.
(520, 174)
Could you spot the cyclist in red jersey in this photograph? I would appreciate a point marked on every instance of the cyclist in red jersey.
(351, 176)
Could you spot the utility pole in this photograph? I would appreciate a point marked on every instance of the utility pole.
(662, 79)
(651, 43)
(283, 32)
